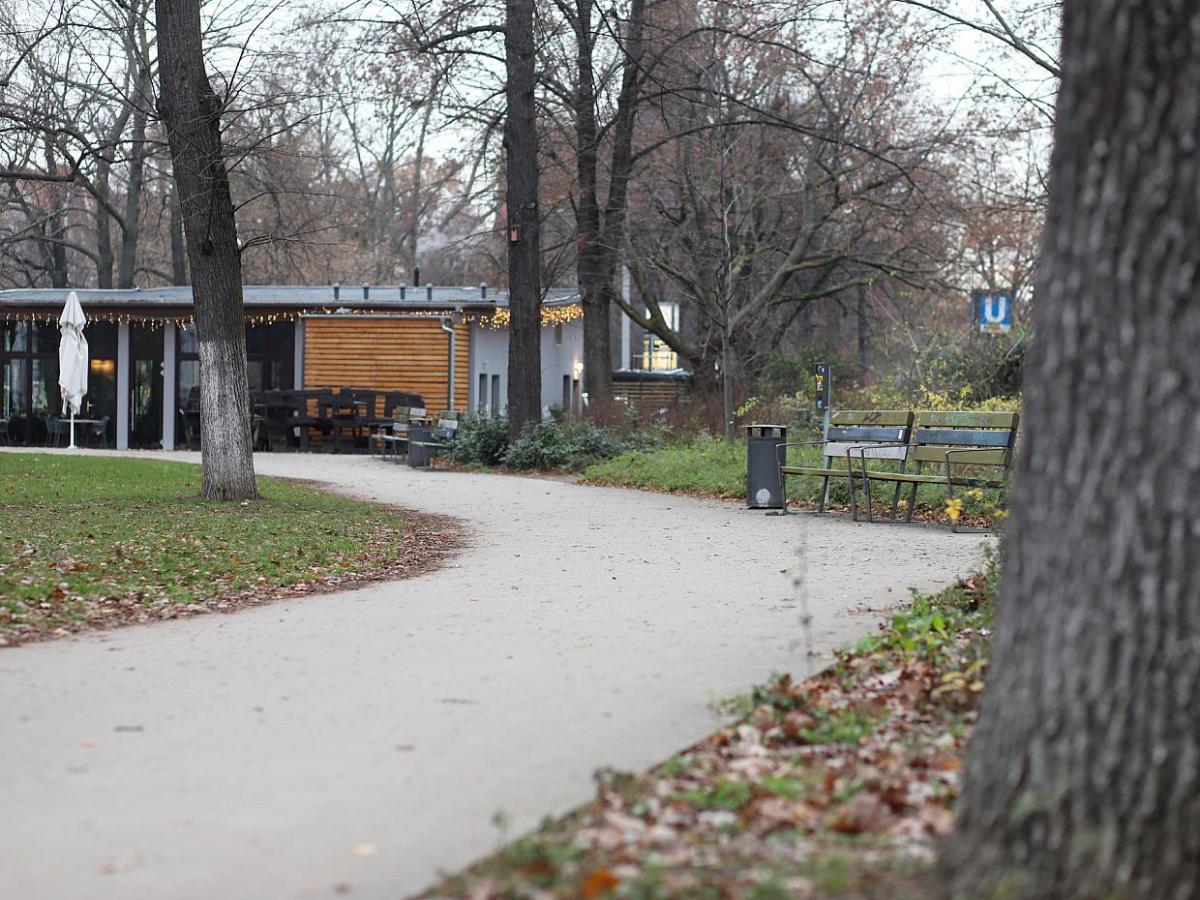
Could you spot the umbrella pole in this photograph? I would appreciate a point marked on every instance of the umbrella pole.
(71, 446)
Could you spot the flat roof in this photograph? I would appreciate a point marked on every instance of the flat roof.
(381, 297)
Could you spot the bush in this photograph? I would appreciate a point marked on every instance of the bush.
(480, 440)
(565, 444)
(979, 368)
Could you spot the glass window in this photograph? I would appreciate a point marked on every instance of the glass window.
(45, 337)
(13, 397)
(102, 340)
(657, 356)
(189, 384)
(15, 337)
(45, 387)
(187, 341)
(146, 342)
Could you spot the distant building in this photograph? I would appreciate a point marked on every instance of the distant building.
(448, 344)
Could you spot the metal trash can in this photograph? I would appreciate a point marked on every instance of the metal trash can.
(418, 456)
(765, 453)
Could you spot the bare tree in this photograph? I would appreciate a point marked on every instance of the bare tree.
(777, 181)
(524, 217)
(191, 113)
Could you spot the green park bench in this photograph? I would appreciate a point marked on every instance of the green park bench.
(857, 435)
(441, 438)
(965, 449)
(395, 442)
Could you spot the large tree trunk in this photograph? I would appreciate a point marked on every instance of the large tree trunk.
(104, 248)
(1084, 776)
(600, 236)
(190, 112)
(127, 264)
(178, 247)
(55, 228)
(589, 254)
(524, 275)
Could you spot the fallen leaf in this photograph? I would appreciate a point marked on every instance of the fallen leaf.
(600, 882)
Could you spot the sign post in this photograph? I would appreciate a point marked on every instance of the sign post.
(822, 392)
(992, 313)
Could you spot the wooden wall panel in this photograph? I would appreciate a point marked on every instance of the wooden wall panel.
(387, 355)
(650, 396)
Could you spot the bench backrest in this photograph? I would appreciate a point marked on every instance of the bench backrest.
(988, 438)
(397, 403)
(869, 433)
(447, 425)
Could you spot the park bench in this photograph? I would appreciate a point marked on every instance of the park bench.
(967, 449)
(441, 437)
(857, 435)
(396, 440)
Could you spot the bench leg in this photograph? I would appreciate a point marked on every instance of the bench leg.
(896, 500)
(912, 503)
(824, 494)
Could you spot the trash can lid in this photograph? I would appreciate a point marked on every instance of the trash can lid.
(749, 427)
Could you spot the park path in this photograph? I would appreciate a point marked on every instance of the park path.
(361, 741)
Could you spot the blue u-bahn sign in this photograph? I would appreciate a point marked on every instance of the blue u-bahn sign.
(993, 312)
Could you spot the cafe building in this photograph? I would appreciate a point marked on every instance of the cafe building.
(447, 344)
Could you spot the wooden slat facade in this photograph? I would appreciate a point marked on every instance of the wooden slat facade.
(388, 354)
(650, 395)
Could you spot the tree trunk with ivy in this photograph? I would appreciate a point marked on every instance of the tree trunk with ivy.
(1083, 780)
(191, 114)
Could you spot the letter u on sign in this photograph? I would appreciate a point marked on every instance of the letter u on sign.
(995, 313)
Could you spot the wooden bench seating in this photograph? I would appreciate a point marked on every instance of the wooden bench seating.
(395, 440)
(857, 435)
(441, 439)
(958, 449)
(959, 445)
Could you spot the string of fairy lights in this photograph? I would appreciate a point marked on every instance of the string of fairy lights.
(500, 318)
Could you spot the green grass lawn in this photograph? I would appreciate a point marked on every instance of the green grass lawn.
(90, 541)
(717, 468)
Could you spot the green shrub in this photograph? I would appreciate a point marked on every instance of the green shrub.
(567, 444)
(480, 440)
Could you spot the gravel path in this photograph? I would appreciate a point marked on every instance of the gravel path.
(362, 741)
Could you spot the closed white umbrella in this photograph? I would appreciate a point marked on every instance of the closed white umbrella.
(72, 358)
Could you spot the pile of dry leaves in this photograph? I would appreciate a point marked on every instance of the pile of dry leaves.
(837, 786)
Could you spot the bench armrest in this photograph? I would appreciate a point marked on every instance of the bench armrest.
(802, 443)
(862, 456)
(969, 450)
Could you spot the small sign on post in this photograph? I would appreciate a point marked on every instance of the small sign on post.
(821, 384)
(822, 393)
(993, 312)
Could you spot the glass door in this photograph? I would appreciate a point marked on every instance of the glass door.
(145, 386)
(29, 397)
(100, 403)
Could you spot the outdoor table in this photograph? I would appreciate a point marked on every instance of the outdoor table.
(344, 416)
(84, 422)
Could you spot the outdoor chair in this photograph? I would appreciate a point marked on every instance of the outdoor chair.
(97, 434)
(56, 432)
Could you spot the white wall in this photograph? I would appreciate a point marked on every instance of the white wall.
(489, 356)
